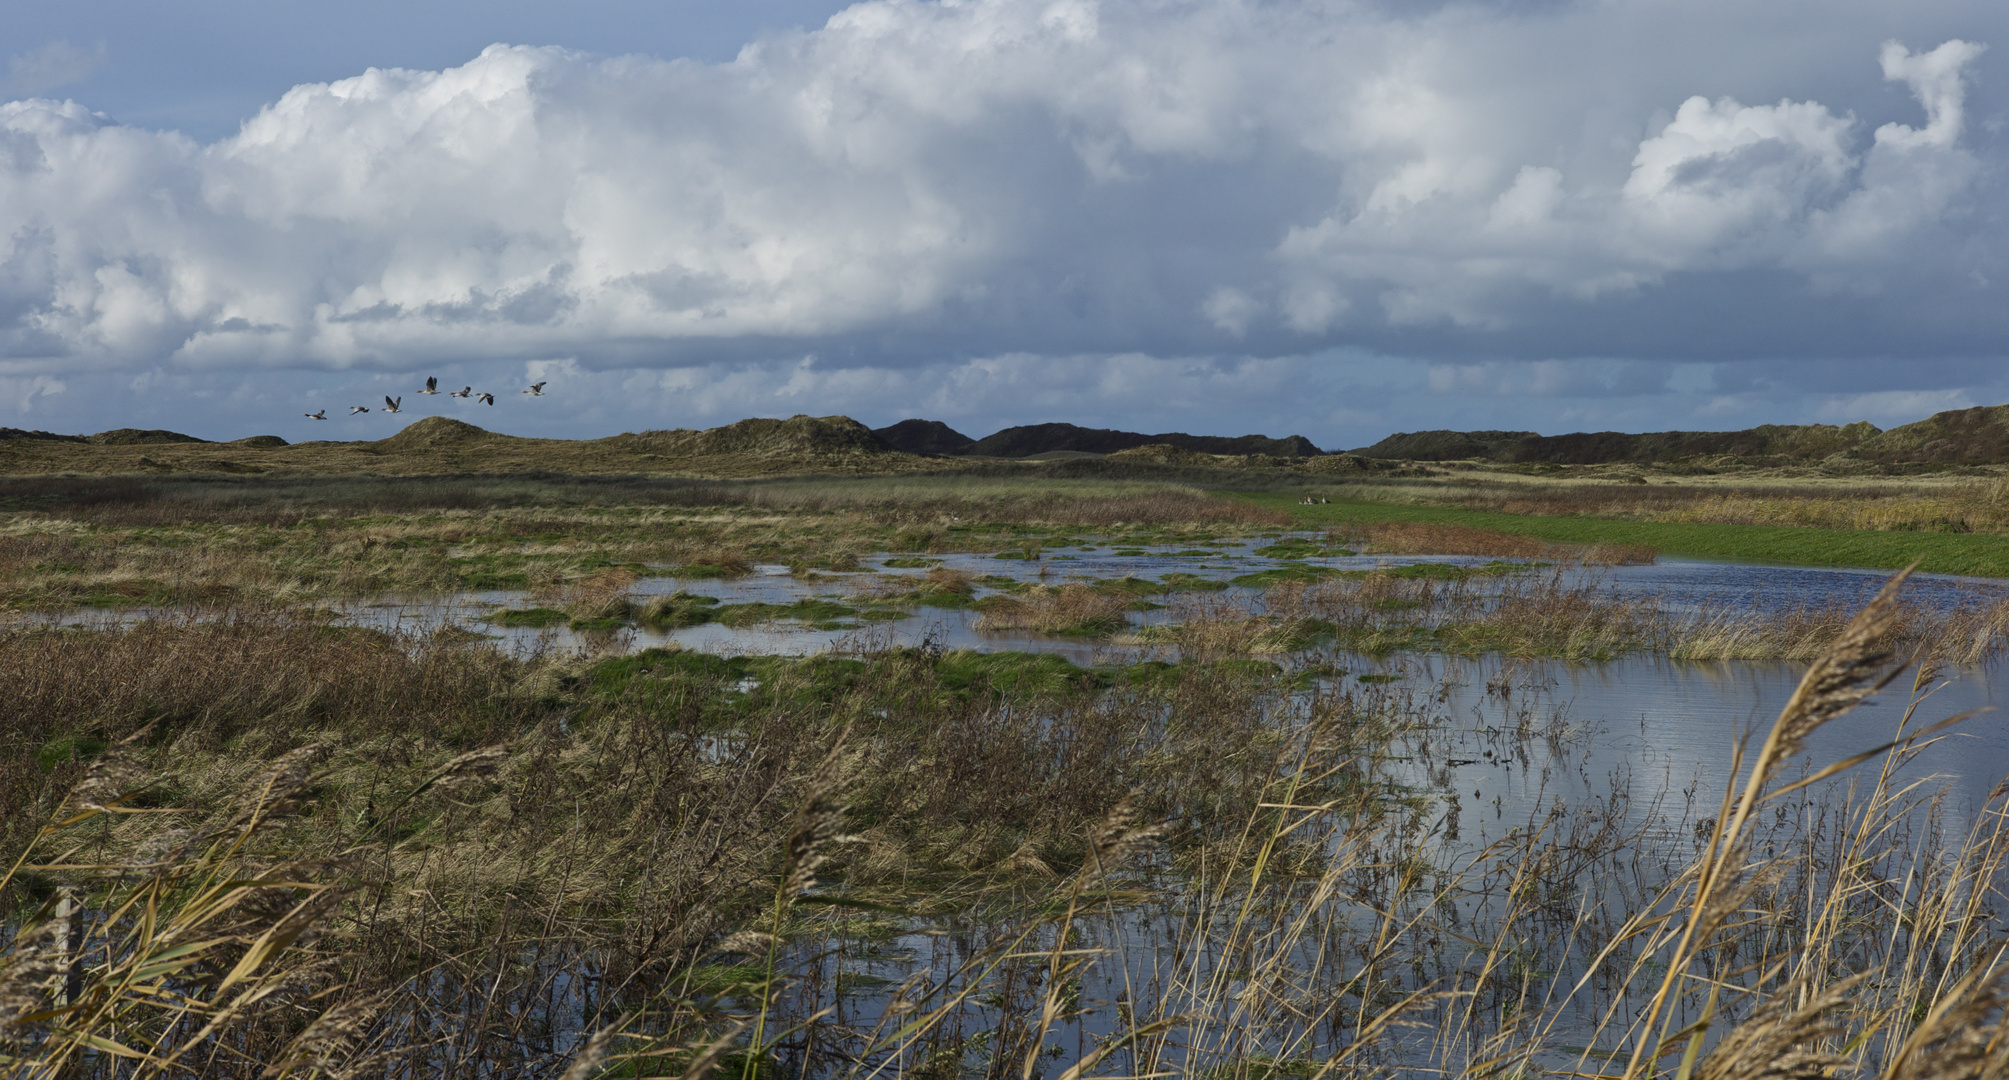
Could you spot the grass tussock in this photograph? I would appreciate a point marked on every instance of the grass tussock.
(1078, 610)
(600, 596)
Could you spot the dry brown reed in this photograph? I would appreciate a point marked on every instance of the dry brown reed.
(602, 595)
(1209, 628)
(947, 579)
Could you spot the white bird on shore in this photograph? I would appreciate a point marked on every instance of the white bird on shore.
(322, 415)
(354, 409)
(462, 392)
(391, 403)
(432, 386)
(536, 390)
(485, 399)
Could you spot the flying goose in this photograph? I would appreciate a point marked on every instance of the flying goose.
(322, 415)
(536, 390)
(432, 386)
(462, 392)
(391, 403)
(485, 399)
(354, 409)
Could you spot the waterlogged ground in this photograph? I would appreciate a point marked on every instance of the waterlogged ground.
(1493, 761)
(1605, 770)
(1614, 763)
(862, 609)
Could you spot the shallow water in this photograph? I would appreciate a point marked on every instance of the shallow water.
(1646, 742)
(1680, 584)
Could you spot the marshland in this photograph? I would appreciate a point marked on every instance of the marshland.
(1059, 771)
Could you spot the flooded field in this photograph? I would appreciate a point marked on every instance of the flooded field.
(1528, 814)
(1606, 775)
(1676, 584)
(1259, 808)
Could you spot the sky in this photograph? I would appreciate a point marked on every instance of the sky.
(1334, 219)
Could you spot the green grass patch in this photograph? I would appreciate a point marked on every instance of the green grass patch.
(911, 564)
(535, 618)
(1302, 549)
(67, 748)
(1290, 572)
(1012, 674)
(1135, 586)
(1184, 582)
(814, 612)
(1978, 554)
(1003, 584)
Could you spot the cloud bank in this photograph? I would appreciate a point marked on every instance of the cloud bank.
(920, 183)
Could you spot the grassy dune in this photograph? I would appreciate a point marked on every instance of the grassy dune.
(1941, 553)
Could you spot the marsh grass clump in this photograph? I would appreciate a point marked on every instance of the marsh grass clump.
(822, 614)
(599, 597)
(1072, 610)
(941, 588)
(678, 609)
(533, 617)
(713, 564)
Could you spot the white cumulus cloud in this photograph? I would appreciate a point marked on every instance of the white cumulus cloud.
(1012, 177)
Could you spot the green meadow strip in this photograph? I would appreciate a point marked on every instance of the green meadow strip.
(1940, 553)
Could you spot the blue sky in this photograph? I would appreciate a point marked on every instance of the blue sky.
(1219, 216)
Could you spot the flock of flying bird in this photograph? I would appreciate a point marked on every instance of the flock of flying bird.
(432, 387)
